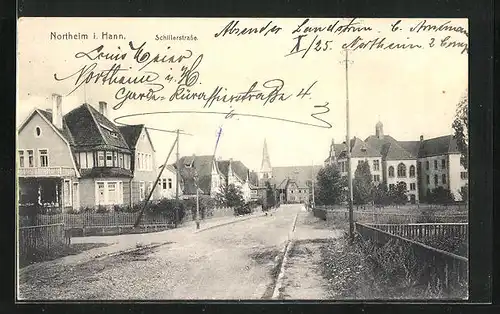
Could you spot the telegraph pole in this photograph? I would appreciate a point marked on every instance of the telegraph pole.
(177, 181)
(348, 144)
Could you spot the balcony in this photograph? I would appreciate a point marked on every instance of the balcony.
(39, 172)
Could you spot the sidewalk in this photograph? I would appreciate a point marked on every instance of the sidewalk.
(127, 242)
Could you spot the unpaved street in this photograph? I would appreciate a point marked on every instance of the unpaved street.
(236, 261)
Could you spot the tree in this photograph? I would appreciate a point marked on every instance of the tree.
(362, 184)
(230, 196)
(440, 195)
(399, 194)
(330, 186)
(381, 195)
(270, 197)
(461, 127)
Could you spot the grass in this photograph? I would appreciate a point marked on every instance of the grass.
(62, 251)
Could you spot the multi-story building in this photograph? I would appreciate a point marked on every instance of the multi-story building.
(80, 159)
(421, 165)
(167, 182)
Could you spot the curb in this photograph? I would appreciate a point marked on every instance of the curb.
(228, 223)
(281, 275)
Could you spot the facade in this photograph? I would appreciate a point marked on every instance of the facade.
(168, 180)
(80, 159)
(420, 165)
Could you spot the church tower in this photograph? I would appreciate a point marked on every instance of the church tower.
(379, 130)
(332, 158)
(265, 168)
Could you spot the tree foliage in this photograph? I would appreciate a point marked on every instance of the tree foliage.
(464, 193)
(331, 186)
(381, 195)
(270, 196)
(362, 184)
(440, 195)
(461, 127)
(230, 196)
(397, 195)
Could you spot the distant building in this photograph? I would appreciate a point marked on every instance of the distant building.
(421, 165)
(167, 182)
(212, 174)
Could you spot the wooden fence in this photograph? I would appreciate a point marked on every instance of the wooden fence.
(426, 230)
(439, 266)
(41, 239)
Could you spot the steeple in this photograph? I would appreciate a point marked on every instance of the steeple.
(379, 130)
(265, 168)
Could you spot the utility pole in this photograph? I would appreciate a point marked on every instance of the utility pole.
(177, 181)
(348, 144)
(312, 184)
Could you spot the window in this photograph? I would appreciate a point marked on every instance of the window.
(443, 178)
(126, 159)
(443, 163)
(435, 164)
(83, 160)
(142, 190)
(31, 161)
(463, 175)
(164, 183)
(115, 159)
(114, 134)
(138, 166)
(44, 157)
(412, 171)
(120, 160)
(21, 159)
(109, 159)
(100, 159)
(376, 178)
(169, 183)
(412, 186)
(419, 165)
(38, 131)
(401, 170)
(436, 179)
(90, 159)
(376, 165)
(428, 180)
(391, 171)
(427, 165)
(109, 193)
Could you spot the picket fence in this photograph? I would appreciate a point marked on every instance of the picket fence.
(40, 239)
(426, 230)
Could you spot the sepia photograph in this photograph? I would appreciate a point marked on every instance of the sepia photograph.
(242, 159)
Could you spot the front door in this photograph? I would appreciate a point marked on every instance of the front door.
(412, 198)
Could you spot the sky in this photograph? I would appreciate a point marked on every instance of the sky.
(412, 92)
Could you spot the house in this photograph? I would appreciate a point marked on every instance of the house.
(143, 162)
(167, 182)
(82, 159)
(209, 174)
(422, 165)
(294, 183)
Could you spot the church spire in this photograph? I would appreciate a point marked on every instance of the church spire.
(265, 168)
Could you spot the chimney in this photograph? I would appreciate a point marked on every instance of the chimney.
(103, 108)
(421, 138)
(57, 110)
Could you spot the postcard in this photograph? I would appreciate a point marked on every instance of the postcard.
(242, 159)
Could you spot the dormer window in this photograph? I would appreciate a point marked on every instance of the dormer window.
(363, 149)
(114, 134)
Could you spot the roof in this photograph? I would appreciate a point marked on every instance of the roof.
(202, 167)
(105, 172)
(300, 174)
(438, 146)
(90, 128)
(411, 146)
(241, 171)
(254, 178)
(389, 148)
(131, 134)
(360, 149)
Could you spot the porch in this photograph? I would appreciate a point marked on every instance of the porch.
(47, 195)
